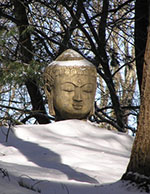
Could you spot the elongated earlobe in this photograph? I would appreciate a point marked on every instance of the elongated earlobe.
(50, 96)
(92, 112)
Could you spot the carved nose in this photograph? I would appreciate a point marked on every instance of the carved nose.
(77, 95)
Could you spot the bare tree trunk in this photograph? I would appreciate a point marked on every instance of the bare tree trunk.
(105, 65)
(140, 156)
(141, 24)
(25, 54)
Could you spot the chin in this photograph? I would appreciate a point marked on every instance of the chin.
(76, 115)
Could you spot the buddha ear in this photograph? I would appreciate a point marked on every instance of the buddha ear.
(50, 95)
(92, 112)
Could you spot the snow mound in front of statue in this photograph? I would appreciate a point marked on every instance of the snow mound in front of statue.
(70, 156)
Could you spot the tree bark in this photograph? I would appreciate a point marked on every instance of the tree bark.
(140, 156)
(141, 24)
(25, 52)
(104, 62)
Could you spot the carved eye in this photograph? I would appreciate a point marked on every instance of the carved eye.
(87, 88)
(67, 87)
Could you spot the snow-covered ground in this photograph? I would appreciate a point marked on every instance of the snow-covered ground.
(66, 157)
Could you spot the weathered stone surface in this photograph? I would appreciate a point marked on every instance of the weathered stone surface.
(70, 85)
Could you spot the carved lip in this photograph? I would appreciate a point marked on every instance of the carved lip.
(77, 106)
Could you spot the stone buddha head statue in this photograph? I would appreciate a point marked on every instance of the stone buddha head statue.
(70, 86)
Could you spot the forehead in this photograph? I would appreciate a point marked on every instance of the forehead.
(78, 79)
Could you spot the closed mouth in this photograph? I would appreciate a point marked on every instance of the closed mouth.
(77, 106)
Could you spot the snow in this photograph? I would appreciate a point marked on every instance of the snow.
(71, 58)
(70, 63)
(64, 157)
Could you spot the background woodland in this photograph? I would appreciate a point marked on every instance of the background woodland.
(110, 33)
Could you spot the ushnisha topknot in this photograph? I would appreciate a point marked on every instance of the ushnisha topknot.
(69, 54)
(69, 62)
(71, 58)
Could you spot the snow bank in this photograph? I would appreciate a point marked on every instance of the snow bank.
(72, 154)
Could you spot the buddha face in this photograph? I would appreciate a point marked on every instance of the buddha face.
(73, 96)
